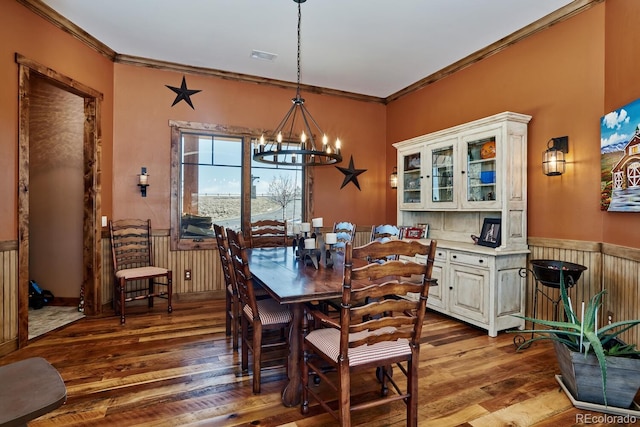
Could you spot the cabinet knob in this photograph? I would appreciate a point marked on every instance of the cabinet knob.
(454, 256)
(463, 172)
(450, 288)
(481, 261)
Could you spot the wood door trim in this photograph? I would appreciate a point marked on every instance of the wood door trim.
(92, 246)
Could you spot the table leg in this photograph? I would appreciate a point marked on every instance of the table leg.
(291, 395)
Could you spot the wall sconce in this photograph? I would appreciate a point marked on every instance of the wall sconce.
(143, 181)
(553, 161)
(393, 178)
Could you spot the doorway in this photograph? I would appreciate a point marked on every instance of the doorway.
(59, 240)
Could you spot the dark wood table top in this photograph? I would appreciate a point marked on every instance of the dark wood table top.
(289, 280)
(29, 388)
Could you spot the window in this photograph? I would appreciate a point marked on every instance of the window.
(276, 192)
(215, 181)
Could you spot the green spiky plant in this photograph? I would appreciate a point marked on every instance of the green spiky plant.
(573, 332)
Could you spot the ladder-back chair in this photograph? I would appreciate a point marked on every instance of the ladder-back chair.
(257, 315)
(371, 336)
(268, 233)
(345, 232)
(136, 276)
(232, 321)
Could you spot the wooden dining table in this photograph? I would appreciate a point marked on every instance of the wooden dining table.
(291, 281)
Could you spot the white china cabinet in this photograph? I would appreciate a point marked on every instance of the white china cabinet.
(453, 180)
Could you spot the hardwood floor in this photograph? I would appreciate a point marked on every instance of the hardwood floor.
(179, 369)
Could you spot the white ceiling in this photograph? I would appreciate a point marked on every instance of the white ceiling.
(369, 47)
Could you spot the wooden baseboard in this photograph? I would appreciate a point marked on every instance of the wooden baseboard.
(8, 347)
(65, 301)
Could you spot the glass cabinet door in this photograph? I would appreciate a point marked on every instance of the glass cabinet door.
(411, 179)
(442, 168)
(442, 175)
(481, 170)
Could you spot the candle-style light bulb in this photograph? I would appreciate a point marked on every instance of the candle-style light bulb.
(303, 137)
(338, 145)
(325, 140)
(279, 137)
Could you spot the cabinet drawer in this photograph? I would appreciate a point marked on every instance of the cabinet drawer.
(441, 255)
(469, 259)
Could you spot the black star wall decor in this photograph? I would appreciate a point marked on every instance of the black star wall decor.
(351, 174)
(183, 94)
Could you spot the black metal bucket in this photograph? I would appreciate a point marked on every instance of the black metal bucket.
(547, 272)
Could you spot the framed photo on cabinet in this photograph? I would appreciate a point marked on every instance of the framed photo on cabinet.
(491, 233)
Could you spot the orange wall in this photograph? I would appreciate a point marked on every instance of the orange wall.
(622, 87)
(557, 77)
(21, 31)
(566, 77)
(142, 110)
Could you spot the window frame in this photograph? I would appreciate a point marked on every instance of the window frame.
(247, 135)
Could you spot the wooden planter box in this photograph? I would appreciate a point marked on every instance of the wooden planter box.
(583, 378)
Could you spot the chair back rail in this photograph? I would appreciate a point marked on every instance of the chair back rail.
(345, 232)
(242, 273)
(268, 233)
(131, 243)
(393, 277)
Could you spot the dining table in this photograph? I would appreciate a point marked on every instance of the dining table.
(296, 282)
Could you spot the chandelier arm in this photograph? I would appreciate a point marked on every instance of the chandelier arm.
(284, 121)
(304, 112)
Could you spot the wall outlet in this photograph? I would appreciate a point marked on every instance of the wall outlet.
(187, 275)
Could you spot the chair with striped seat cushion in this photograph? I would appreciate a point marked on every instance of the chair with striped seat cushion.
(232, 322)
(373, 332)
(258, 315)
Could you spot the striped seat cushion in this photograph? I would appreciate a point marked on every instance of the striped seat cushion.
(327, 340)
(270, 312)
(132, 273)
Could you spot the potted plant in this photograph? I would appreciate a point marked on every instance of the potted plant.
(596, 366)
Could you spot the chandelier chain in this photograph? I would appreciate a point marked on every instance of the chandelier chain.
(298, 57)
(286, 148)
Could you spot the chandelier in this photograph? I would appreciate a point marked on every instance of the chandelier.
(294, 140)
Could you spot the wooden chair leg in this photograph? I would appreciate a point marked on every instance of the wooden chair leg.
(236, 323)
(245, 345)
(344, 395)
(150, 298)
(122, 292)
(304, 408)
(257, 356)
(228, 315)
(412, 388)
(169, 292)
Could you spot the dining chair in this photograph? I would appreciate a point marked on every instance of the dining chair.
(384, 233)
(136, 276)
(345, 232)
(370, 336)
(268, 233)
(257, 315)
(232, 320)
